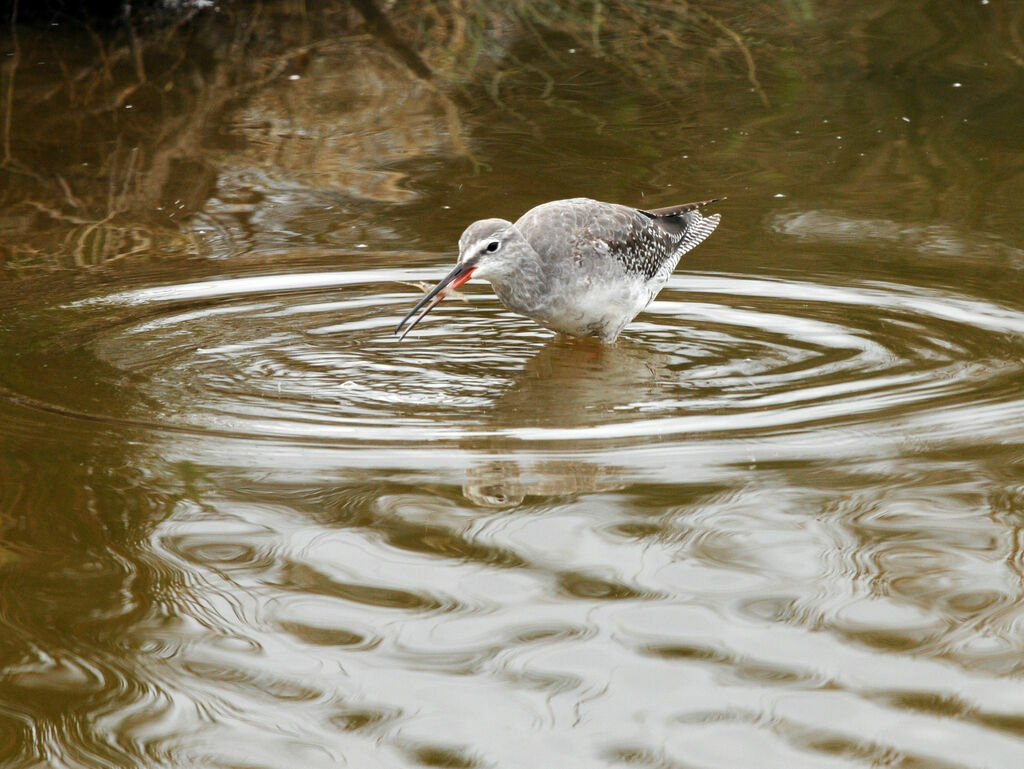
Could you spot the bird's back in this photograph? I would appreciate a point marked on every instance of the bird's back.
(584, 235)
(603, 263)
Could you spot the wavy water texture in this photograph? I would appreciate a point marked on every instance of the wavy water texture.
(754, 522)
(757, 355)
(777, 525)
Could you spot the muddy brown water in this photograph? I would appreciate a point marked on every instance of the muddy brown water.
(778, 524)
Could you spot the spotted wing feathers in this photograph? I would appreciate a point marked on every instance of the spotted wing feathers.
(644, 247)
(647, 244)
(674, 231)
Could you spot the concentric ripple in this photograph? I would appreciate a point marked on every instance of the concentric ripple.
(356, 544)
(313, 356)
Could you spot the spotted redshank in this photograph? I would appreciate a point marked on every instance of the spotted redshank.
(578, 266)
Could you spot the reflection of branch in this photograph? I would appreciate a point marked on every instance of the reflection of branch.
(9, 70)
(1017, 58)
(751, 66)
(379, 23)
(69, 196)
(117, 201)
(135, 51)
(56, 214)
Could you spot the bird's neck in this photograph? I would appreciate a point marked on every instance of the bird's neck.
(524, 292)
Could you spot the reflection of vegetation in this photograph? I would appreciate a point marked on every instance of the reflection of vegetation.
(109, 140)
(94, 132)
(667, 39)
(112, 138)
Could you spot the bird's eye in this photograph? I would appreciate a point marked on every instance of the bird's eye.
(492, 246)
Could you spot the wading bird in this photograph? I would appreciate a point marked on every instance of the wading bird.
(577, 266)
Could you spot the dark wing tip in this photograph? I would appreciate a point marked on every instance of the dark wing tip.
(677, 210)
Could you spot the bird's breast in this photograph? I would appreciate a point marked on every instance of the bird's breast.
(584, 306)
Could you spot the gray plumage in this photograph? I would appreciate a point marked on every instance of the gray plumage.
(578, 266)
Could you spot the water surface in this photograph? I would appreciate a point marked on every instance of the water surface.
(778, 524)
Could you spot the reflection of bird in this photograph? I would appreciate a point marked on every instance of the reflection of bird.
(563, 387)
(577, 266)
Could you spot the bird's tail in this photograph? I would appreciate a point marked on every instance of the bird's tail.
(687, 219)
(697, 230)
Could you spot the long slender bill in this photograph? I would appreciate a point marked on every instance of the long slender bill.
(452, 280)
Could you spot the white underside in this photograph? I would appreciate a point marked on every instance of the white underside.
(601, 311)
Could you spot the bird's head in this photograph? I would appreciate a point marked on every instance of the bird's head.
(486, 250)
